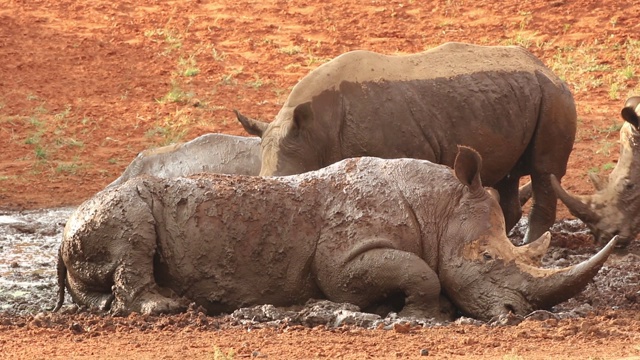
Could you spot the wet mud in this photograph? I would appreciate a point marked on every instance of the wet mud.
(29, 242)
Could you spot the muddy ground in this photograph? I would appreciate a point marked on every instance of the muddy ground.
(85, 86)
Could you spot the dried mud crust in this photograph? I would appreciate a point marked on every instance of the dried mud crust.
(83, 89)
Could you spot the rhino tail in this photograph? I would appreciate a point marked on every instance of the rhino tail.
(62, 280)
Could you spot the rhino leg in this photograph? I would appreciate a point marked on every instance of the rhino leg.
(543, 209)
(134, 286)
(510, 201)
(378, 274)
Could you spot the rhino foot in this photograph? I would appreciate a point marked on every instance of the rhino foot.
(150, 303)
(444, 311)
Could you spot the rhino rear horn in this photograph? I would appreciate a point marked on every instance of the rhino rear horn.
(575, 205)
(533, 252)
(467, 167)
(598, 182)
(252, 126)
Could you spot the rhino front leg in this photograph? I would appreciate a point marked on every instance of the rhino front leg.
(377, 274)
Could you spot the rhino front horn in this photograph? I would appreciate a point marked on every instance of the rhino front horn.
(553, 286)
(576, 206)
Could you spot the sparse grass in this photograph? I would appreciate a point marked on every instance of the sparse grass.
(170, 37)
(218, 354)
(256, 83)
(63, 114)
(290, 50)
(230, 78)
(605, 149)
(175, 95)
(218, 56)
(188, 66)
(67, 168)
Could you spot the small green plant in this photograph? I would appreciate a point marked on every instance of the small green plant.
(229, 79)
(188, 66)
(218, 354)
(627, 73)
(512, 357)
(614, 91)
(256, 83)
(218, 56)
(41, 153)
(63, 114)
(175, 95)
(67, 168)
(290, 50)
(168, 36)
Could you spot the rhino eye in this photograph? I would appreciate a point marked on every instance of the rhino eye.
(486, 256)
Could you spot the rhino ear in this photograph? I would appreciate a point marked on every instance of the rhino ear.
(302, 115)
(467, 167)
(630, 116)
(252, 126)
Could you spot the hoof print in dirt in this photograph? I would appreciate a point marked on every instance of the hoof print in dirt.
(362, 231)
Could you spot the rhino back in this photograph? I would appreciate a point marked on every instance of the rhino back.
(424, 105)
(209, 153)
(378, 203)
(231, 241)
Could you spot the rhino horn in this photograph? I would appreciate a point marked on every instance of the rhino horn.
(534, 251)
(576, 206)
(252, 126)
(598, 182)
(553, 286)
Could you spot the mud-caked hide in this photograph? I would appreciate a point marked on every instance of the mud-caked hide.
(364, 231)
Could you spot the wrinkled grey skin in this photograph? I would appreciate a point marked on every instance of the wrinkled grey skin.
(362, 231)
(209, 153)
(501, 101)
(614, 209)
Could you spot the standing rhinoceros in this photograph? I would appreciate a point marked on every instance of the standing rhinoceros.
(501, 101)
(209, 153)
(615, 207)
(360, 231)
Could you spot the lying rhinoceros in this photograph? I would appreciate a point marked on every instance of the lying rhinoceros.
(210, 153)
(501, 101)
(360, 231)
(615, 207)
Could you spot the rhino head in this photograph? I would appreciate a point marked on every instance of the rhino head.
(614, 209)
(484, 274)
(286, 148)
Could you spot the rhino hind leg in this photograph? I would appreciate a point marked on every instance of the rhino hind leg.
(378, 274)
(543, 210)
(134, 285)
(510, 201)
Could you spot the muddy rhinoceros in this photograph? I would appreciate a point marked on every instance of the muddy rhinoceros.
(501, 101)
(211, 153)
(615, 207)
(361, 231)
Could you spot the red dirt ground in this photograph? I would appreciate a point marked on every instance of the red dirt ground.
(86, 85)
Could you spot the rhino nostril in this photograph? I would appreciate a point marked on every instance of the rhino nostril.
(510, 308)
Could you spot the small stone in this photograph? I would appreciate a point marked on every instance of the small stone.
(15, 265)
(424, 352)
(76, 328)
(402, 328)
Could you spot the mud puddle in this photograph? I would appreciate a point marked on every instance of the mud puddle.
(28, 253)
